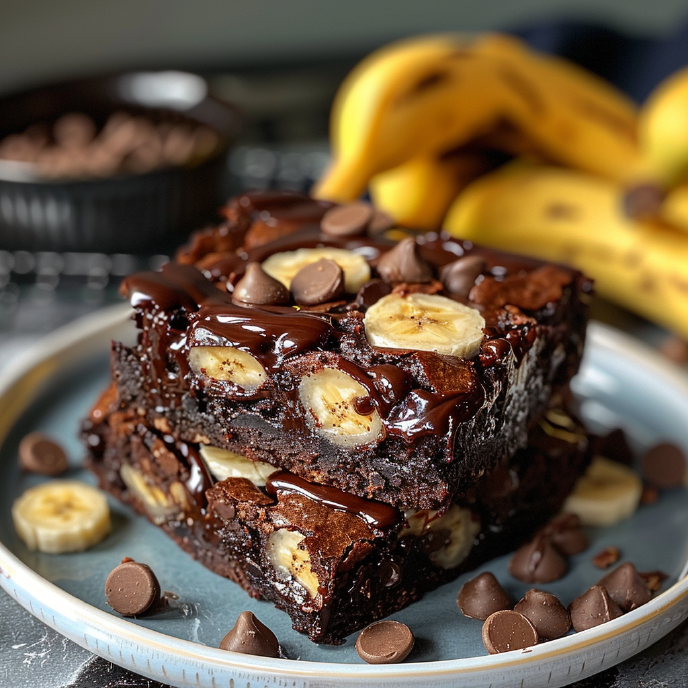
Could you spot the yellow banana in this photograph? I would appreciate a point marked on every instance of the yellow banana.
(662, 128)
(570, 217)
(423, 97)
(418, 193)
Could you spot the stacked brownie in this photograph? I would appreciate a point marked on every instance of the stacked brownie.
(340, 415)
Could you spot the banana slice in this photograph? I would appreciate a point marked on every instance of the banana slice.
(283, 266)
(607, 494)
(457, 528)
(61, 516)
(425, 322)
(291, 561)
(228, 364)
(329, 397)
(227, 464)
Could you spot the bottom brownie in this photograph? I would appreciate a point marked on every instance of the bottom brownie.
(332, 561)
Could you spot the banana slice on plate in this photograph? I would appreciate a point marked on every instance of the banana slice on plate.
(607, 493)
(330, 399)
(61, 516)
(425, 322)
(227, 464)
(284, 266)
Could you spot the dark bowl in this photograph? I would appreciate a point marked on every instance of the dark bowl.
(133, 213)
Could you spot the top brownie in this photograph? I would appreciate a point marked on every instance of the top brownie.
(300, 334)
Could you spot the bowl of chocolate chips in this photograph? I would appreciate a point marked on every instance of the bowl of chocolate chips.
(123, 163)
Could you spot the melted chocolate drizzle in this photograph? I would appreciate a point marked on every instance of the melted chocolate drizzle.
(375, 514)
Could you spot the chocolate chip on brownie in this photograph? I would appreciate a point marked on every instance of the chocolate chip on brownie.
(257, 288)
(403, 264)
(318, 282)
(347, 220)
(459, 276)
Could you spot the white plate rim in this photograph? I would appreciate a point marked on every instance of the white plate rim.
(107, 635)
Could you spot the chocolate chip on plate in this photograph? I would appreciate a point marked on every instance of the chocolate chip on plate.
(538, 561)
(347, 220)
(506, 630)
(385, 642)
(546, 613)
(39, 454)
(566, 534)
(257, 288)
(318, 282)
(482, 596)
(614, 446)
(459, 276)
(606, 557)
(131, 588)
(592, 608)
(403, 264)
(664, 466)
(626, 587)
(251, 636)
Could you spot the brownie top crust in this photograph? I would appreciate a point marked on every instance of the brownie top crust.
(231, 290)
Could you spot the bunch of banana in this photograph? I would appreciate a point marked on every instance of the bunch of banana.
(413, 119)
(571, 217)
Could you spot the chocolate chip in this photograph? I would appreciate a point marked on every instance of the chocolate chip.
(538, 562)
(546, 613)
(608, 556)
(257, 288)
(318, 282)
(592, 608)
(483, 596)
(131, 588)
(385, 642)
(252, 637)
(626, 587)
(389, 573)
(664, 466)
(506, 631)
(380, 223)
(403, 264)
(675, 349)
(371, 292)
(566, 534)
(347, 220)
(39, 454)
(459, 277)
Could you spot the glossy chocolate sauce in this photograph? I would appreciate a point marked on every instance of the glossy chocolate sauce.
(375, 514)
(189, 308)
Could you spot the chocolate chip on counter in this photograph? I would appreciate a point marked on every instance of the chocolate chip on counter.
(566, 534)
(664, 466)
(459, 276)
(592, 608)
(131, 588)
(39, 454)
(483, 596)
(546, 613)
(257, 288)
(508, 630)
(347, 220)
(608, 556)
(403, 264)
(385, 642)
(626, 587)
(538, 561)
(380, 223)
(318, 282)
(252, 637)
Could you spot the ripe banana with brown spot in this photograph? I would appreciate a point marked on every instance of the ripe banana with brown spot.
(424, 97)
(570, 217)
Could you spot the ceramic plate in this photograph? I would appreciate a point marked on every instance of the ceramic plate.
(51, 389)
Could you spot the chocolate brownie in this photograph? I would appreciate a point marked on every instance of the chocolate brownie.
(398, 371)
(333, 561)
